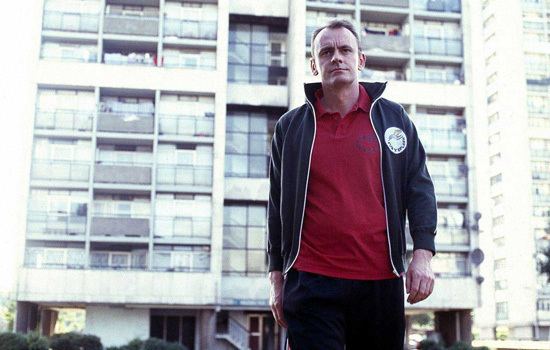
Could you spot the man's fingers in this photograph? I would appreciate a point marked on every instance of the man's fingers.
(408, 277)
(414, 288)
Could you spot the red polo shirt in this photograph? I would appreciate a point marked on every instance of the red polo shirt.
(344, 229)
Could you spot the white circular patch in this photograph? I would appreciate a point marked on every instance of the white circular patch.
(395, 139)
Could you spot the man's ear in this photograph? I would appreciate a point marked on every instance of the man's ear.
(362, 60)
(313, 66)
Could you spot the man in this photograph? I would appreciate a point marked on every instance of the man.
(345, 169)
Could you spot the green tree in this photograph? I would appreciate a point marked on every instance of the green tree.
(7, 312)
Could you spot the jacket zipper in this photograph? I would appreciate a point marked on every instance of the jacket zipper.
(307, 181)
(383, 188)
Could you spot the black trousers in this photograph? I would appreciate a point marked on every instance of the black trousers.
(326, 313)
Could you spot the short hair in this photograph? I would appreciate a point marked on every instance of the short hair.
(335, 24)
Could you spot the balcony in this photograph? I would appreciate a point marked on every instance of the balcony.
(438, 5)
(262, 67)
(450, 186)
(67, 21)
(75, 52)
(436, 46)
(60, 170)
(386, 3)
(206, 30)
(118, 260)
(442, 76)
(382, 74)
(186, 125)
(64, 119)
(132, 25)
(119, 226)
(54, 258)
(184, 228)
(446, 235)
(55, 224)
(232, 331)
(386, 43)
(123, 167)
(130, 122)
(205, 60)
(188, 259)
(184, 175)
(443, 140)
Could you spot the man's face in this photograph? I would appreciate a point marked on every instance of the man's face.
(337, 59)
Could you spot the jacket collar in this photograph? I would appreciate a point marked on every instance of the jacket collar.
(374, 90)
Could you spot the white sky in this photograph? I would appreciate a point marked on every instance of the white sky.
(19, 37)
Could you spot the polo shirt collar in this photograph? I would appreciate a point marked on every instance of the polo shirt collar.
(363, 102)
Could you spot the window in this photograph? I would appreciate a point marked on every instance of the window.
(496, 179)
(244, 239)
(501, 311)
(173, 328)
(492, 98)
(256, 54)
(247, 146)
(450, 264)
(499, 264)
(494, 138)
(497, 199)
(493, 118)
(501, 284)
(541, 211)
(499, 242)
(499, 220)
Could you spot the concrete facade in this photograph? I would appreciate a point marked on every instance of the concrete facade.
(145, 265)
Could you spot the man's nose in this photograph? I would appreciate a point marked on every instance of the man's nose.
(336, 57)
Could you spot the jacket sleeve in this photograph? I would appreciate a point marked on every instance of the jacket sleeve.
(421, 201)
(274, 227)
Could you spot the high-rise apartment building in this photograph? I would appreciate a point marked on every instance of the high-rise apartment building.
(515, 81)
(153, 120)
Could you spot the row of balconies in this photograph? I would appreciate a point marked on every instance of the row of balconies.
(194, 259)
(135, 122)
(422, 5)
(130, 25)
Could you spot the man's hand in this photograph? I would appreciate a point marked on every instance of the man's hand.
(276, 297)
(419, 277)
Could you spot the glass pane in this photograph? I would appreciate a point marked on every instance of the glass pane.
(258, 166)
(237, 122)
(257, 216)
(236, 143)
(234, 260)
(256, 261)
(236, 165)
(234, 237)
(256, 238)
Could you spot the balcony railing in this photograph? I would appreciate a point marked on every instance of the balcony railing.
(44, 223)
(232, 329)
(181, 61)
(188, 261)
(339, 2)
(67, 21)
(450, 186)
(438, 5)
(388, 43)
(389, 3)
(186, 125)
(375, 74)
(134, 25)
(64, 119)
(182, 227)
(60, 170)
(83, 53)
(452, 235)
(442, 139)
(436, 46)
(130, 122)
(104, 224)
(140, 59)
(118, 260)
(445, 77)
(184, 175)
(190, 29)
(58, 258)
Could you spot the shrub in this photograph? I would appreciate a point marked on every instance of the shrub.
(175, 346)
(114, 348)
(12, 341)
(480, 348)
(154, 344)
(459, 345)
(135, 344)
(75, 341)
(37, 342)
(428, 344)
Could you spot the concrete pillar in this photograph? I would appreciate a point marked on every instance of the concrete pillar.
(296, 52)
(26, 317)
(454, 326)
(48, 319)
(207, 329)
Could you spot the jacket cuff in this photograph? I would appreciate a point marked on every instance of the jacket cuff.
(275, 263)
(423, 239)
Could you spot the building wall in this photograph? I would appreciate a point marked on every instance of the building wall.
(117, 325)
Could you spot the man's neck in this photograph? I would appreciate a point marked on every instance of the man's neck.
(341, 99)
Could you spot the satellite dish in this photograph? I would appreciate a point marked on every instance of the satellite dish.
(477, 256)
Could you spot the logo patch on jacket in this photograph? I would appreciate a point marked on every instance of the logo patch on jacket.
(395, 139)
